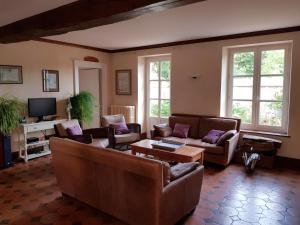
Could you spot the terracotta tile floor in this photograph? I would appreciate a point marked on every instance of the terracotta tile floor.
(29, 195)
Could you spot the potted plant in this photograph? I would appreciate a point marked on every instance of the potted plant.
(10, 115)
(83, 107)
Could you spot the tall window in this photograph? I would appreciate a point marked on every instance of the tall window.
(258, 91)
(159, 75)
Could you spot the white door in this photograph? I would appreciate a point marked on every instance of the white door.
(90, 80)
(158, 91)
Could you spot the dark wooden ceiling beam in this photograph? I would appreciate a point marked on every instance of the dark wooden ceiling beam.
(83, 14)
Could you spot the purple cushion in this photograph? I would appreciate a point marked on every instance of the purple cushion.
(213, 136)
(181, 130)
(75, 130)
(120, 128)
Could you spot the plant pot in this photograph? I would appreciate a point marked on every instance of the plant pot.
(5, 151)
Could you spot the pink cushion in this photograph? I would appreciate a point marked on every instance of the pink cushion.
(181, 130)
(213, 136)
(74, 130)
(120, 128)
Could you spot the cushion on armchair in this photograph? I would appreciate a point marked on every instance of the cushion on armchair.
(182, 169)
(110, 119)
(74, 130)
(120, 128)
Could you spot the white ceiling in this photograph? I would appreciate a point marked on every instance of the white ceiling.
(199, 20)
(13, 10)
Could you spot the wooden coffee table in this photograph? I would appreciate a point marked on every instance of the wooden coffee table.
(182, 154)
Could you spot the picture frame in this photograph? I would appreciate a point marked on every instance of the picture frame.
(123, 82)
(50, 80)
(10, 74)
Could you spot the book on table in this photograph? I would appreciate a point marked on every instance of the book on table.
(168, 145)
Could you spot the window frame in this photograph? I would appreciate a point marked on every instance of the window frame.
(257, 49)
(159, 80)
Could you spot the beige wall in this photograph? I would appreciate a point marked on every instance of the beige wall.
(34, 56)
(202, 96)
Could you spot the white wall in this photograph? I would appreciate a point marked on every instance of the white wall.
(202, 96)
(34, 56)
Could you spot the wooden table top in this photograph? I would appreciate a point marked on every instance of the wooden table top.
(184, 150)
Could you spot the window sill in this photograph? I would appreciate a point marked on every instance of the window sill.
(265, 133)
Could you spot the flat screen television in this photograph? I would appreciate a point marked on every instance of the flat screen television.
(41, 107)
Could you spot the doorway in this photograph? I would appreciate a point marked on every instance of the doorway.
(90, 80)
(158, 90)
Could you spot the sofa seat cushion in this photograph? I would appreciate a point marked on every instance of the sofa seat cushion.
(127, 138)
(209, 148)
(100, 142)
(181, 169)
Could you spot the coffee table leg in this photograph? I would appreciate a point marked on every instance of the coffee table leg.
(202, 157)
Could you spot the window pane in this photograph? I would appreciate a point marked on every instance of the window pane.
(271, 93)
(165, 67)
(243, 63)
(165, 108)
(270, 113)
(154, 110)
(272, 62)
(243, 81)
(242, 110)
(154, 70)
(244, 93)
(153, 89)
(271, 81)
(165, 89)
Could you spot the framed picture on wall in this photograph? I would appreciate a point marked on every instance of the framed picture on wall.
(50, 80)
(11, 74)
(123, 82)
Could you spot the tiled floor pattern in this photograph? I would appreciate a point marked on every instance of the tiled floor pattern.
(29, 195)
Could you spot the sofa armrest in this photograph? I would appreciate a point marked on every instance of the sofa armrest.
(154, 133)
(84, 138)
(181, 196)
(97, 132)
(230, 146)
(134, 127)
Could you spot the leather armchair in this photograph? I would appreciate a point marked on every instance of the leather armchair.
(121, 139)
(98, 137)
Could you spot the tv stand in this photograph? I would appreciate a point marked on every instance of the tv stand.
(42, 119)
(26, 130)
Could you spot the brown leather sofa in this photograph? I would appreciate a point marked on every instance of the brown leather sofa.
(199, 127)
(133, 189)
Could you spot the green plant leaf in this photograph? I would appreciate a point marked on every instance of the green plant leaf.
(10, 113)
(83, 107)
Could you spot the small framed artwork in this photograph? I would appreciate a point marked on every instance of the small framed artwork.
(123, 82)
(50, 80)
(11, 74)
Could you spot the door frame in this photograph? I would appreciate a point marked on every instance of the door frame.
(147, 67)
(80, 64)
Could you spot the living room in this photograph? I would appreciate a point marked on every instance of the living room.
(199, 81)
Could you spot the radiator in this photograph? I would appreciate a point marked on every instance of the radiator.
(127, 111)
